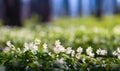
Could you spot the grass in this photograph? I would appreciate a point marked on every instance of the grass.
(68, 30)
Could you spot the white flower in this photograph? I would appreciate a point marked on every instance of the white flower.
(83, 60)
(57, 43)
(89, 52)
(31, 47)
(26, 45)
(116, 29)
(8, 43)
(59, 49)
(45, 47)
(18, 50)
(68, 50)
(60, 61)
(37, 41)
(26, 68)
(56, 50)
(79, 50)
(119, 56)
(72, 53)
(36, 62)
(98, 51)
(103, 65)
(114, 53)
(101, 52)
(118, 50)
(49, 54)
(6, 49)
(78, 55)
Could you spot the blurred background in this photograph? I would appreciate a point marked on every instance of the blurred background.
(74, 22)
(46, 10)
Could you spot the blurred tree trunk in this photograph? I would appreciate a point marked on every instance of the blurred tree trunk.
(45, 10)
(1, 9)
(85, 6)
(99, 9)
(58, 7)
(25, 9)
(12, 13)
(117, 6)
(42, 8)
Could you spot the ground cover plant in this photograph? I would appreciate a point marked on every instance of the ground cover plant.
(80, 44)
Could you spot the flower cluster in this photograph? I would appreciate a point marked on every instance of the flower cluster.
(63, 57)
(30, 46)
(79, 51)
(89, 51)
(58, 47)
(101, 52)
(117, 52)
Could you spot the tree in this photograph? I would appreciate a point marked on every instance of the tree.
(45, 10)
(99, 9)
(12, 13)
(1, 9)
(42, 8)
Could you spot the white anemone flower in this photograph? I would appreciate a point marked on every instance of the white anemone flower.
(6, 49)
(115, 53)
(78, 55)
(49, 54)
(89, 52)
(83, 60)
(59, 49)
(79, 50)
(118, 49)
(18, 50)
(119, 56)
(31, 47)
(68, 50)
(98, 51)
(45, 47)
(37, 41)
(26, 45)
(73, 53)
(57, 43)
(101, 52)
(9, 44)
(60, 61)
(56, 50)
